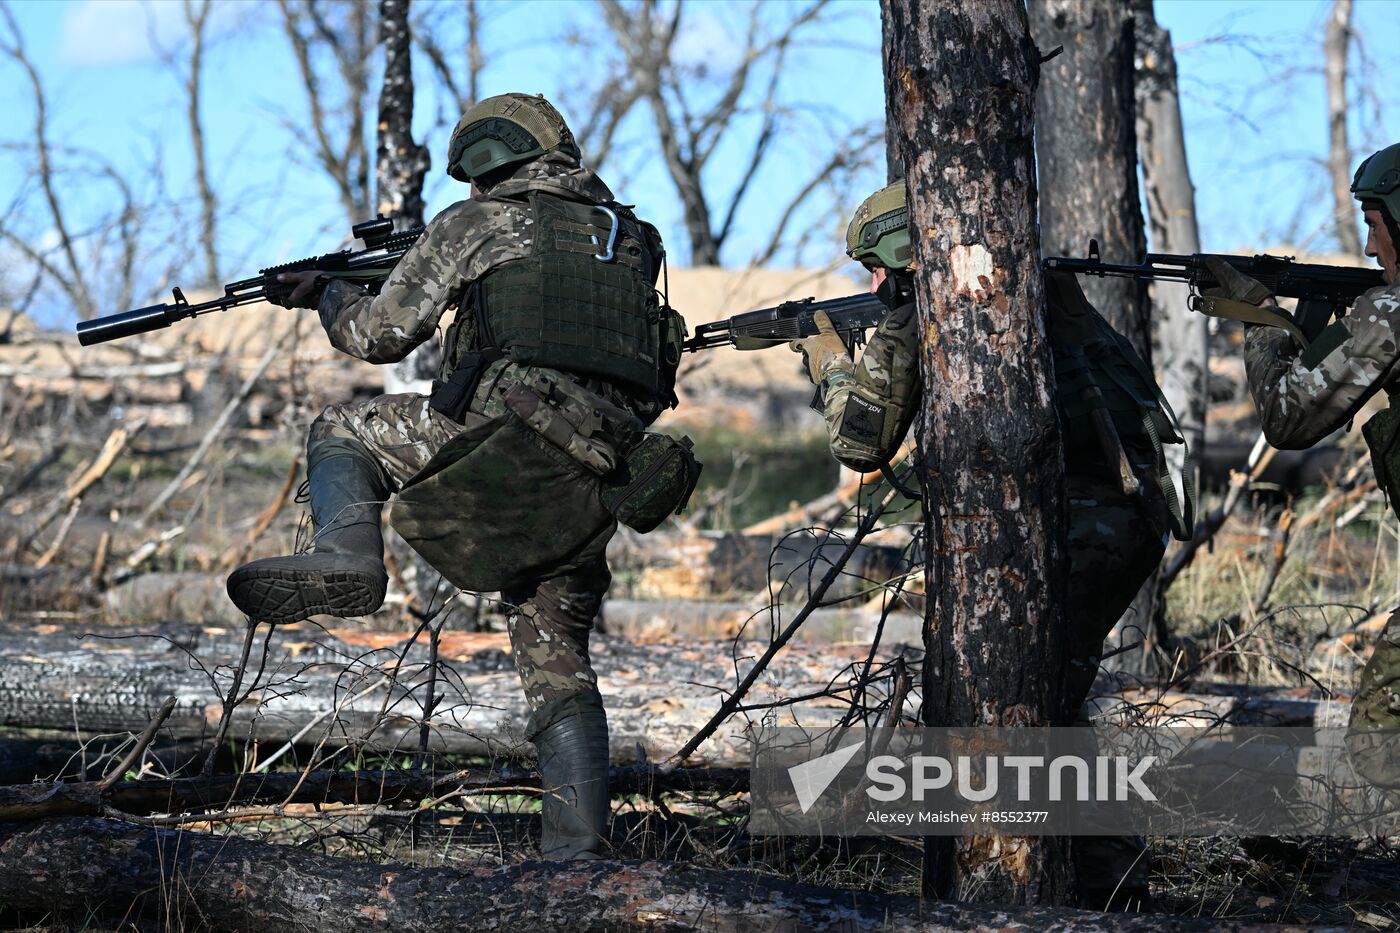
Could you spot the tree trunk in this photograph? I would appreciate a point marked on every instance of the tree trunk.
(197, 17)
(401, 165)
(960, 83)
(1181, 344)
(1087, 153)
(1334, 48)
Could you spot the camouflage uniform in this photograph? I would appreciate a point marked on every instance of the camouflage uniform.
(524, 517)
(1303, 396)
(1115, 541)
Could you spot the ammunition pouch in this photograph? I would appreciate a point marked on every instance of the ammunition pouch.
(653, 482)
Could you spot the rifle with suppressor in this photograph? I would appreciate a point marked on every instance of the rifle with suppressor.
(852, 316)
(1322, 291)
(369, 266)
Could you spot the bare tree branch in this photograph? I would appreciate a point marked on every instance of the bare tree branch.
(338, 130)
(75, 285)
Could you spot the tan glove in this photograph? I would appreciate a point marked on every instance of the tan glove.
(819, 347)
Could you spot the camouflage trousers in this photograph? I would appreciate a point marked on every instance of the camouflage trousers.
(550, 616)
(1373, 734)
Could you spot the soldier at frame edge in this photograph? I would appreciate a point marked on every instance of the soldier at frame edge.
(1121, 501)
(1305, 393)
(558, 356)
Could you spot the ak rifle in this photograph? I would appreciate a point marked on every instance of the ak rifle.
(852, 316)
(369, 266)
(1322, 291)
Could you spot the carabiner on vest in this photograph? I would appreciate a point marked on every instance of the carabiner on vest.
(610, 252)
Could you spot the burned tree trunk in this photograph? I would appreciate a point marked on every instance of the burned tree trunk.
(1181, 343)
(960, 84)
(401, 162)
(1086, 147)
(1086, 150)
(401, 165)
(1334, 48)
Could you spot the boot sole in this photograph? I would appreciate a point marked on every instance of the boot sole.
(281, 597)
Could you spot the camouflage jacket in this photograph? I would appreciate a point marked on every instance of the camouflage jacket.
(459, 246)
(1303, 396)
(868, 405)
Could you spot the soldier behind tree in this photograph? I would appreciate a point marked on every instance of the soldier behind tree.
(557, 356)
(1304, 394)
(1121, 505)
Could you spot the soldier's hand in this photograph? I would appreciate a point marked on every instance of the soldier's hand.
(296, 289)
(820, 347)
(1235, 285)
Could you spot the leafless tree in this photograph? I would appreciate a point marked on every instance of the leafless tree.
(1180, 338)
(332, 44)
(186, 65)
(197, 19)
(458, 71)
(71, 280)
(960, 88)
(1086, 150)
(401, 162)
(1087, 157)
(1334, 47)
(648, 71)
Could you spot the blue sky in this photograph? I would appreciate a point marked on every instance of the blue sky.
(1252, 102)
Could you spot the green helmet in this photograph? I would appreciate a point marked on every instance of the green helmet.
(506, 130)
(1378, 179)
(879, 231)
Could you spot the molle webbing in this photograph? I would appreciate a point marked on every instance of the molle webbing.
(565, 308)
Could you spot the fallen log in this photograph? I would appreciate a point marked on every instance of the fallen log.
(364, 689)
(380, 788)
(83, 866)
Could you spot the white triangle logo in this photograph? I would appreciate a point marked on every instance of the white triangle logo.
(811, 778)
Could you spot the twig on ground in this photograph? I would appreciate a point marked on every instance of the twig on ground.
(133, 757)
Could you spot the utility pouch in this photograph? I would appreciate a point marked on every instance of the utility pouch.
(452, 395)
(1382, 433)
(653, 482)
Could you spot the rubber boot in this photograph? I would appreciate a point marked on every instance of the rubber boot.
(344, 574)
(573, 753)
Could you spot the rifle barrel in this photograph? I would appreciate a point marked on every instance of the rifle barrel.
(127, 324)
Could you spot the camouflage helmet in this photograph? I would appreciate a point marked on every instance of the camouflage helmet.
(879, 231)
(506, 130)
(1378, 179)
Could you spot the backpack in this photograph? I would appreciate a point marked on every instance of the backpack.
(1112, 409)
